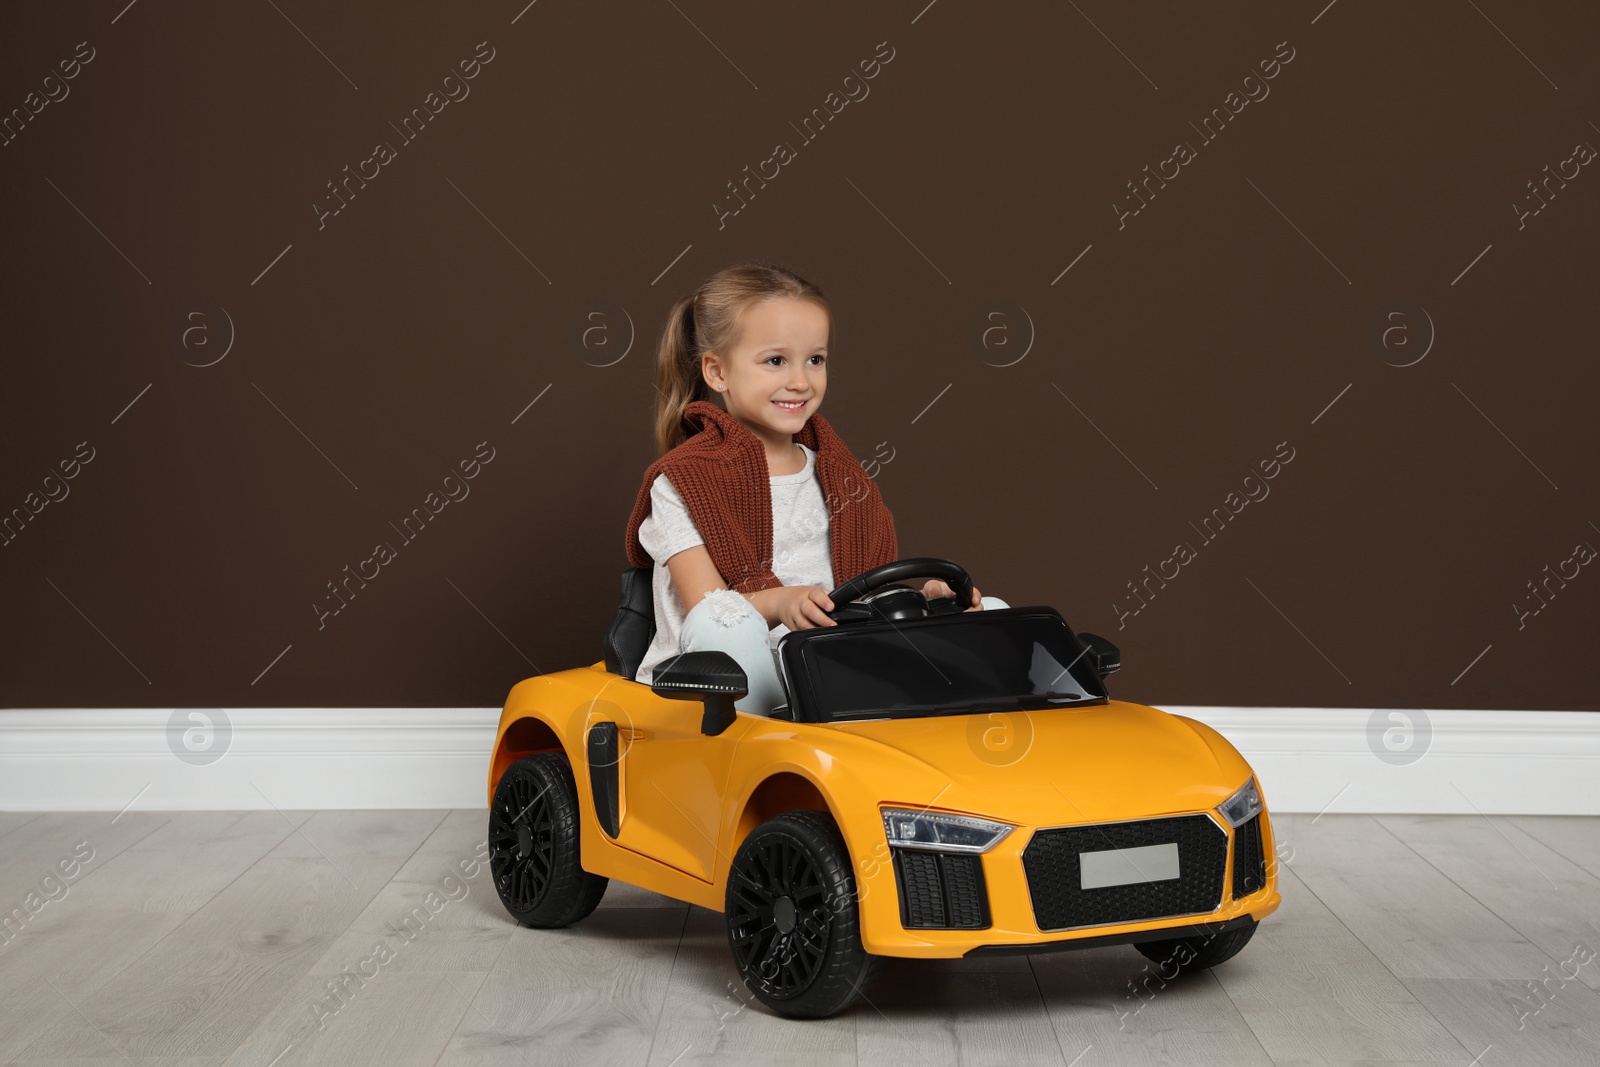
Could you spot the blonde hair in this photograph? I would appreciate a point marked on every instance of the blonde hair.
(708, 319)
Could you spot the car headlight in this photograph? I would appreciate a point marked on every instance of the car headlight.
(907, 828)
(1243, 805)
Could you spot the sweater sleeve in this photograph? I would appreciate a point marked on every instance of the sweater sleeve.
(668, 529)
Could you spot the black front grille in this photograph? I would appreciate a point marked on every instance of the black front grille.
(1249, 860)
(941, 890)
(1055, 881)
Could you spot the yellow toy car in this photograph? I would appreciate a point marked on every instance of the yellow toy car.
(942, 783)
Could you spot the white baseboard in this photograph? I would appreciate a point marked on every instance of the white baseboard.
(1470, 762)
(1308, 759)
(321, 758)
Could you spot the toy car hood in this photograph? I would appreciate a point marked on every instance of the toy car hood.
(1049, 767)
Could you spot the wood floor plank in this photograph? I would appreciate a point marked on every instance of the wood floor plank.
(398, 1018)
(928, 1014)
(50, 978)
(205, 986)
(1306, 937)
(1413, 918)
(36, 850)
(1574, 837)
(1322, 999)
(1386, 1033)
(710, 1018)
(440, 912)
(1311, 991)
(589, 994)
(1536, 890)
(12, 820)
(142, 1061)
(130, 895)
(191, 858)
(459, 835)
(1316, 994)
(1114, 1002)
(1563, 1028)
(1460, 1061)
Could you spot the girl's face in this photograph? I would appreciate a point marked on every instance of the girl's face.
(774, 377)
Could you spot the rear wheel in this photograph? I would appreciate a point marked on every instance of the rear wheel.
(1197, 953)
(533, 844)
(794, 924)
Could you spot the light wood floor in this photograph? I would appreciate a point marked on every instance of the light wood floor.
(199, 938)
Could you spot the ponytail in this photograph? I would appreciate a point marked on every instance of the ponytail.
(707, 320)
(678, 378)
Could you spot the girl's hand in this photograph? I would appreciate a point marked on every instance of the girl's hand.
(799, 607)
(937, 588)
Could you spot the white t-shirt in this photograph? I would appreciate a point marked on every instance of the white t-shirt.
(801, 551)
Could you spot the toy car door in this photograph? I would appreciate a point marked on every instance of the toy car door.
(668, 781)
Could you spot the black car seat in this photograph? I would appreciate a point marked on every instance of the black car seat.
(634, 626)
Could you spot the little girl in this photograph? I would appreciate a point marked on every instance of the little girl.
(753, 519)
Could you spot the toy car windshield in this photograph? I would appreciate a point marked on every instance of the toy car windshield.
(1007, 659)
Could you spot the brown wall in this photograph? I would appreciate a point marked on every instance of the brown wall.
(163, 208)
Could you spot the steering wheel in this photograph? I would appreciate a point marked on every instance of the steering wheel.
(860, 599)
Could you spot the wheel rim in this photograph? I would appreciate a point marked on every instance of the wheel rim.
(779, 920)
(521, 842)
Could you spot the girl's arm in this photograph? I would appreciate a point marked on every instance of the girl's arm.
(694, 575)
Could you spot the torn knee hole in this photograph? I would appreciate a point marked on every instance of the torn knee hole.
(727, 608)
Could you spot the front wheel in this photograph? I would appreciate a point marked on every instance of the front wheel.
(1197, 953)
(794, 924)
(533, 844)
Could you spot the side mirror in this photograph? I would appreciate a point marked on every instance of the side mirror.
(711, 676)
(1103, 655)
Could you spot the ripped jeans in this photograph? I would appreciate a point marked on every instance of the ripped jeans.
(724, 620)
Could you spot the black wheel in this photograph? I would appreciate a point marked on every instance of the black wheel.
(794, 924)
(533, 844)
(1197, 953)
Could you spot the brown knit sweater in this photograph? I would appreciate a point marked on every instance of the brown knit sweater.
(721, 474)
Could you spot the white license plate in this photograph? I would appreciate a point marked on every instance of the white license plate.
(1127, 866)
